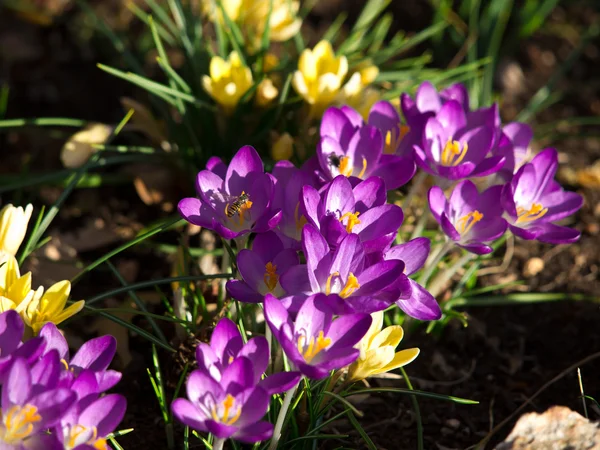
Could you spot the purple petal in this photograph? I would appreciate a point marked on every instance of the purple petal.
(199, 383)
(216, 165)
(464, 199)
(339, 198)
(315, 250)
(267, 245)
(452, 117)
(437, 201)
(96, 354)
(259, 431)
(54, 340)
(17, 387)
(448, 228)
(560, 204)
(240, 290)
(226, 339)
(367, 145)
(326, 147)
(378, 276)
(107, 379)
(196, 212)
(51, 405)
(383, 115)
(427, 98)
(489, 166)
(251, 267)
(239, 375)
(480, 141)
(421, 304)
(255, 403)
(457, 92)
(208, 360)
(461, 171)
(280, 382)
(369, 193)
(105, 414)
(478, 249)
(312, 320)
(188, 414)
(310, 202)
(414, 253)
(210, 189)
(379, 221)
(349, 251)
(295, 280)
(245, 161)
(346, 331)
(257, 351)
(395, 171)
(337, 125)
(219, 429)
(275, 314)
(556, 234)
(11, 331)
(337, 358)
(353, 116)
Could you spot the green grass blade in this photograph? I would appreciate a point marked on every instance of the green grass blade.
(167, 224)
(144, 17)
(417, 409)
(42, 122)
(519, 298)
(358, 427)
(449, 398)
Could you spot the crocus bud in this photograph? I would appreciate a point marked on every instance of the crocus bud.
(283, 147)
(13, 226)
(78, 149)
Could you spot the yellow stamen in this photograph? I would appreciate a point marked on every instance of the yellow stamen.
(100, 444)
(328, 283)
(243, 209)
(19, 422)
(345, 167)
(352, 220)
(65, 364)
(300, 221)
(314, 346)
(536, 211)
(452, 155)
(364, 169)
(351, 286)
(466, 222)
(228, 405)
(270, 278)
(78, 430)
(393, 138)
(230, 360)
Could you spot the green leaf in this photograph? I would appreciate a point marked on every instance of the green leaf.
(355, 423)
(449, 398)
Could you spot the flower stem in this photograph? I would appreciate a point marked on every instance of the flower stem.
(289, 395)
(420, 225)
(434, 260)
(416, 186)
(440, 280)
(218, 444)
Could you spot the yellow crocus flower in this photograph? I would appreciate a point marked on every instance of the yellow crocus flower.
(378, 351)
(78, 149)
(15, 290)
(283, 147)
(320, 76)
(228, 81)
(50, 306)
(284, 22)
(266, 92)
(13, 226)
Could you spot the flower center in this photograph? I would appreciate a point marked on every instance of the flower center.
(348, 289)
(466, 222)
(352, 220)
(452, 155)
(300, 220)
(394, 137)
(19, 422)
(536, 211)
(314, 347)
(270, 277)
(80, 434)
(240, 206)
(226, 407)
(346, 168)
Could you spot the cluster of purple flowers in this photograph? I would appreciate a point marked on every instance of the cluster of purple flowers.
(51, 401)
(323, 255)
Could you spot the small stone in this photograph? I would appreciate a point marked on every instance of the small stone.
(453, 423)
(533, 266)
(558, 428)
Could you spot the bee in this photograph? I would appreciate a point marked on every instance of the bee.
(334, 160)
(233, 208)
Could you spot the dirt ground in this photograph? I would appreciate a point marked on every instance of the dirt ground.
(501, 359)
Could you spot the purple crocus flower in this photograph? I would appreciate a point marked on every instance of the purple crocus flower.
(470, 219)
(340, 209)
(417, 302)
(533, 201)
(86, 425)
(230, 408)
(345, 272)
(455, 148)
(261, 268)
(314, 343)
(226, 345)
(11, 347)
(428, 101)
(354, 149)
(398, 138)
(288, 189)
(234, 205)
(94, 356)
(514, 145)
(28, 409)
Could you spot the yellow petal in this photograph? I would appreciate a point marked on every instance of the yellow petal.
(9, 272)
(55, 298)
(368, 74)
(19, 290)
(13, 227)
(391, 336)
(307, 65)
(324, 51)
(371, 364)
(6, 304)
(218, 68)
(300, 86)
(80, 146)
(266, 92)
(401, 358)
